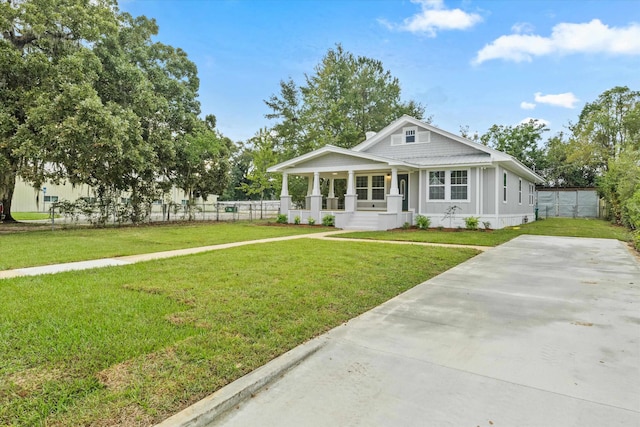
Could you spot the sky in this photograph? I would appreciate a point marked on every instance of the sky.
(470, 63)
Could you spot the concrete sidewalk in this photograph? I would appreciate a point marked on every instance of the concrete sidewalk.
(541, 331)
(131, 259)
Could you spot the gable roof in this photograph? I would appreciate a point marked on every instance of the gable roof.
(506, 160)
(486, 156)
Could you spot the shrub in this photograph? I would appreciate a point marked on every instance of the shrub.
(296, 220)
(311, 221)
(406, 226)
(471, 222)
(281, 219)
(329, 221)
(423, 222)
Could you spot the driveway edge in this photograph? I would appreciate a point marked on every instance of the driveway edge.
(208, 409)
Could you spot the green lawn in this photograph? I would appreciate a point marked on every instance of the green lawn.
(33, 248)
(30, 216)
(132, 345)
(550, 227)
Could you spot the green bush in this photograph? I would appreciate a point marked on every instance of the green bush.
(311, 221)
(296, 220)
(406, 226)
(631, 211)
(423, 222)
(329, 221)
(486, 225)
(471, 222)
(281, 219)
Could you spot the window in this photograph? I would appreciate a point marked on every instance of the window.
(50, 199)
(362, 184)
(436, 185)
(409, 135)
(185, 202)
(124, 200)
(377, 187)
(519, 191)
(157, 202)
(504, 187)
(532, 192)
(458, 185)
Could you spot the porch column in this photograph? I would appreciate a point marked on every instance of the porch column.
(394, 198)
(394, 182)
(316, 198)
(350, 198)
(307, 199)
(285, 198)
(332, 200)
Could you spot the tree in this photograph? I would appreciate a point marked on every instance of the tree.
(260, 182)
(560, 172)
(606, 128)
(522, 142)
(240, 162)
(87, 97)
(202, 161)
(41, 43)
(346, 97)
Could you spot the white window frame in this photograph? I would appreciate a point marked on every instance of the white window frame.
(519, 191)
(408, 133)
(443, 185)
(532, 198)
(366, 188)
(504, 187)
(420, 137)
(50, 199)
(448, 185)
(451, 184)
(369, 188)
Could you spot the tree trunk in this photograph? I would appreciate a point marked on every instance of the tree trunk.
(7, 186)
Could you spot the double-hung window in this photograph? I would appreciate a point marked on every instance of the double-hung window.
(362, 187)
(459, 181)
(50, 199)
(532, 190)
(519, 191)
(436, 185)
(377, 187)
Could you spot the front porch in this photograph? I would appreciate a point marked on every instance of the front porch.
(379, 205)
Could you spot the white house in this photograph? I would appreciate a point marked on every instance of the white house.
(411, 168)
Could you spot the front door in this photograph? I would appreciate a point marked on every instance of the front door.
(403, 187)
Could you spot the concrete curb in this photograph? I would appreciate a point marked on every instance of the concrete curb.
(208, 409)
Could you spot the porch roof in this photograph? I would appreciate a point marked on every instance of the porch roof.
(296, 165)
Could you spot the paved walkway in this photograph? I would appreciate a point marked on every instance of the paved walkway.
(131, 259)
(540, 331)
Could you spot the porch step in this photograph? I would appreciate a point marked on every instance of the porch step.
(364, 222)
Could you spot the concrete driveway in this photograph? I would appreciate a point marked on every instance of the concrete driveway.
(541, 331)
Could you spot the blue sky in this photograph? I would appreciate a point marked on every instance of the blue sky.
(472, 63)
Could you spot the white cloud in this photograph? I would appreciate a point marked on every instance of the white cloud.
(434, 17)
(566, 38)
(527, 105)
(566, 100)
(528, 119)
(522, 28)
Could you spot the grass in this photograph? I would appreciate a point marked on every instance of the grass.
(31, 216)
(132, 345)
(550, 227)
(33, 248)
